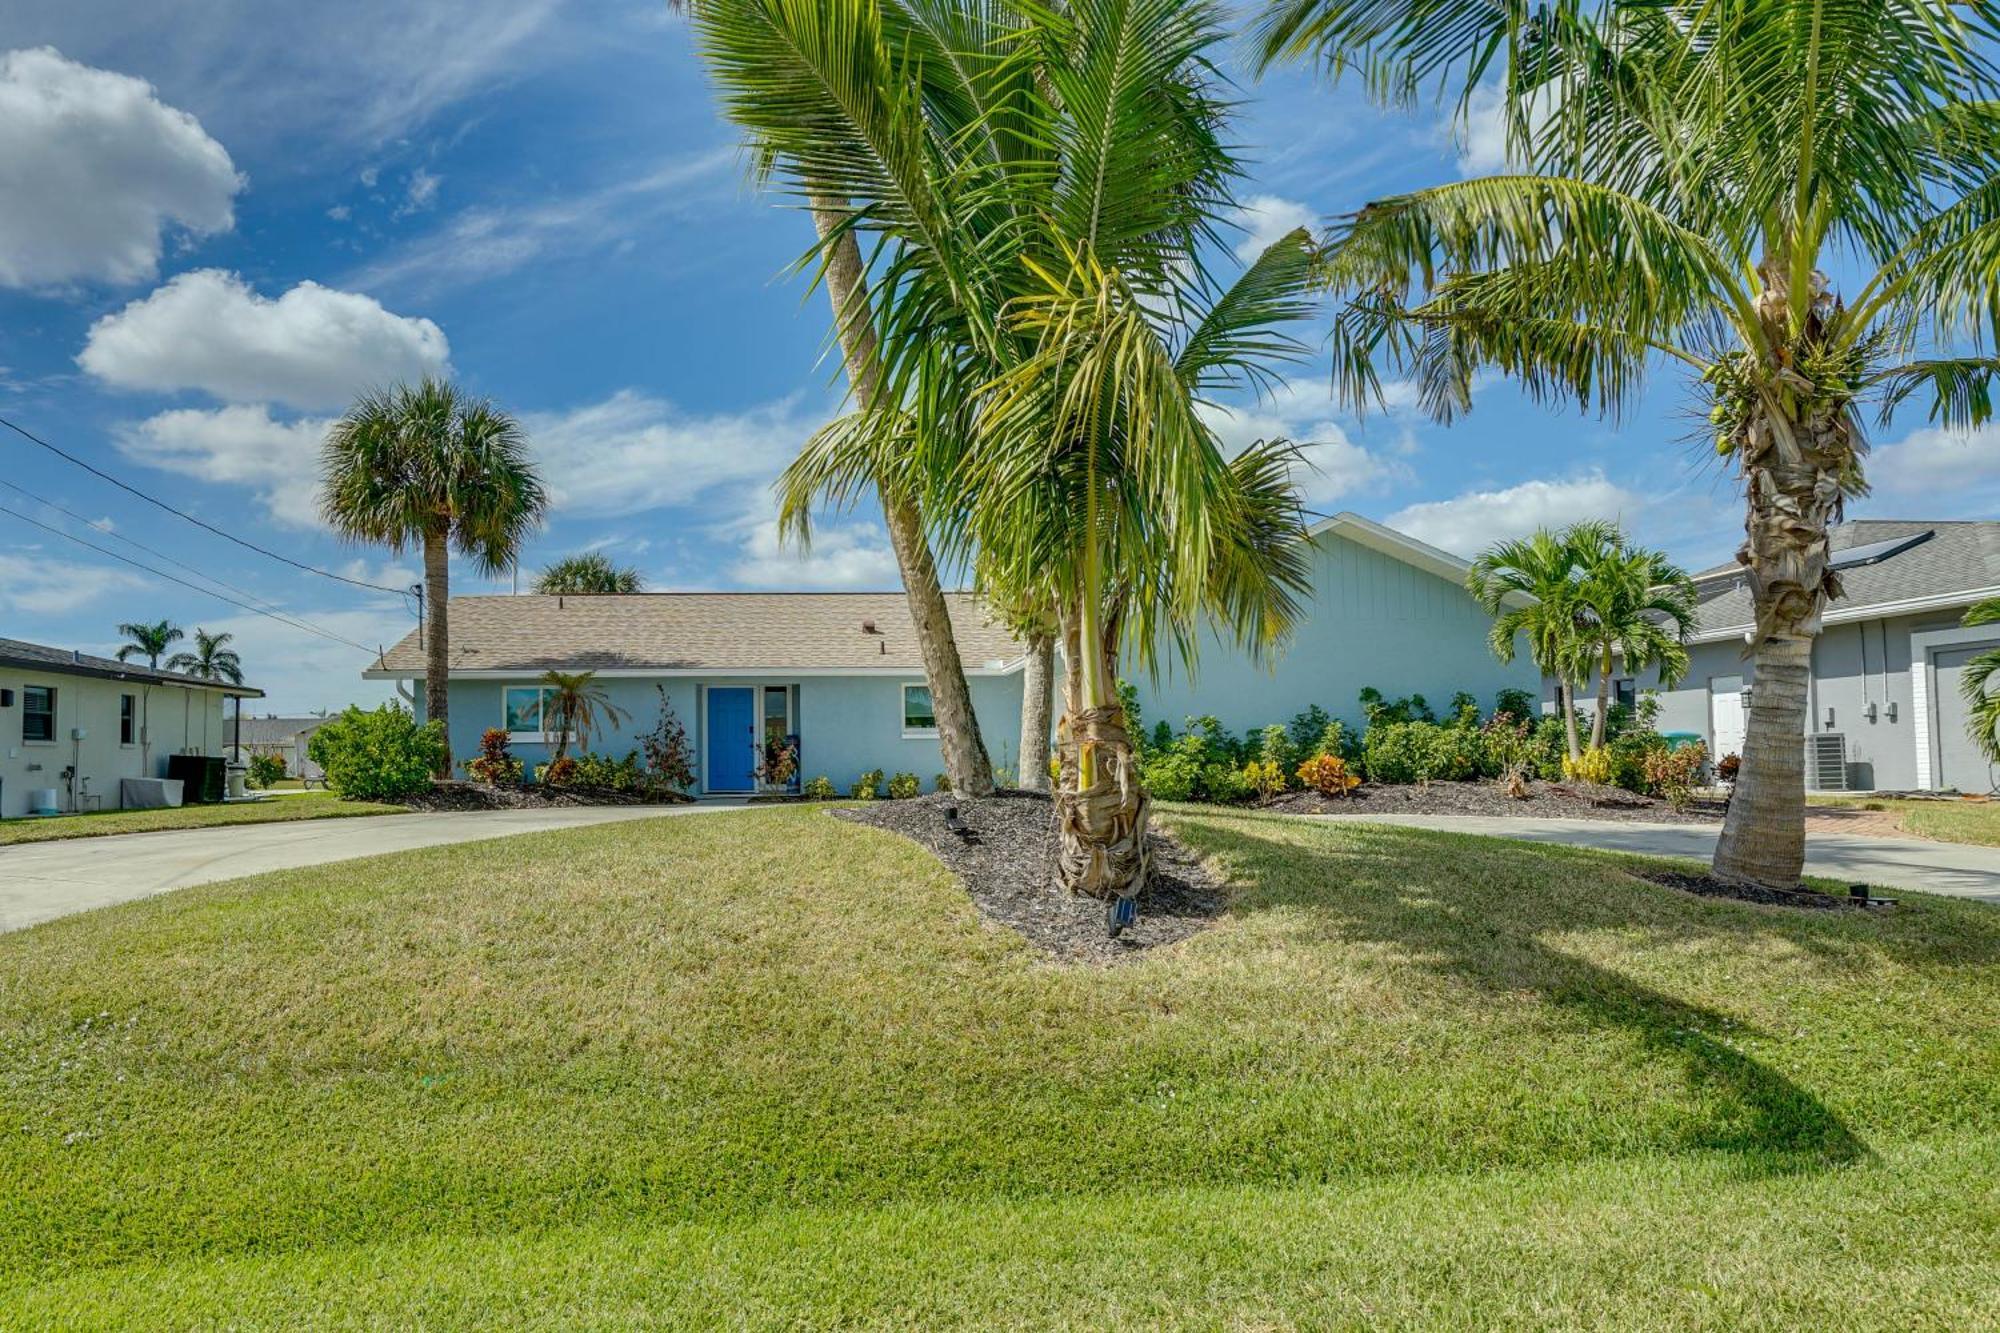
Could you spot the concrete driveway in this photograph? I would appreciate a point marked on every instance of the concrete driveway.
(1954, 869)
(43, 880)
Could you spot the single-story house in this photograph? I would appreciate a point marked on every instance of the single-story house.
(78, 724)
(841, 676)
(1885, 711)
(838, 673)
(285, 737)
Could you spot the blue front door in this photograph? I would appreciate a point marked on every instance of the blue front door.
(732, 739)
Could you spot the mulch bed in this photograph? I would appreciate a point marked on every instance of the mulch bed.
(1707, 886)
(1004, 864)
(1545, 800)
(452, 796)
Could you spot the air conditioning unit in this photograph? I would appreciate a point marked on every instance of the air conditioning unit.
(1826, 761)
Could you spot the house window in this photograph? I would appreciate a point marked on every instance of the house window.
(38, 713)
(128, 718)
(919, 719)
(526, 708)
(1625, 693)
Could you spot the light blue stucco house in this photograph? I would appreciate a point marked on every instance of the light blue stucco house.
(1386, 611)
(839, 674)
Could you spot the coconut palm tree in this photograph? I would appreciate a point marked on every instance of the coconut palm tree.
(149, 641)
(1637, 606)
(590, 572)
(1043, 188)
(1532, 587)
(577, 705)
(1688, 174)
(428, 466)
(212, 659)
(1982, 724)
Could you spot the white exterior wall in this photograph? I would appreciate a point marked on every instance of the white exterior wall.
(183, 719)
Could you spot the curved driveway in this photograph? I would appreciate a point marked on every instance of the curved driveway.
(43, 880)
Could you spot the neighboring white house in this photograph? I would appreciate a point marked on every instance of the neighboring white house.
(285, 737)
(78, 724)
(1886, 712)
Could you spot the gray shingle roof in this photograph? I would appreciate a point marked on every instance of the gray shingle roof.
(1961, 560)
(701, 631)
(41, 657)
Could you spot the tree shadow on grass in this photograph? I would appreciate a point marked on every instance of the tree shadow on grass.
(1478, 915)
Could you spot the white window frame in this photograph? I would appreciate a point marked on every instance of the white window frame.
(542, 737)
(130, 701)
(55, 714)
(911, 733)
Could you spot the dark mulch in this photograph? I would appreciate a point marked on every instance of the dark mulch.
(1545, 800)
(1004, 864)
(479, 796)
(1708, 886)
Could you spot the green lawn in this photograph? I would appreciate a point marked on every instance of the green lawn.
(278, 809)
(1947, 821)
(769, 1069)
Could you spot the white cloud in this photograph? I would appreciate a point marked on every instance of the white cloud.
(1482, 140)
(1474, 520)
(487, 242)
(1264, 218)
(238, 446)
(851, 556)
(340, 212)
(38, 585)
(633, 452)
(1936, 463)
(1332, 465)
(312, 347)
(420, 194)
(94, 169)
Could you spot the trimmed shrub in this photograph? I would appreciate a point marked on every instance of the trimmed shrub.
(1379, 710)
(867, 787)
(1225, 785)
(602, 773)
(820, 788)
(559, 772)
(1397, 752)
(1593, 765)
(266, 770)
(1453, 754)
(1328, 775)
(904, 785)
(1274, 747)
(1628, 759)
(942, 782)
(1672, 773)
(1264, 777)
(497, 765)
(380, 754)
(1170, 774)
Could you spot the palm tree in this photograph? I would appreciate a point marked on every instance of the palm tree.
(1639, 606)
(212, 659)
(148, 641)
(576, 705)
(1532, 587)
(428, 466)
(1687, 172)
(590, 572)
(1982, 724)
(1044, 185)
(748, 46)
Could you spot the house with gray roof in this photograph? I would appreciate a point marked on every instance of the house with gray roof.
(285, 737)
(1885, 709)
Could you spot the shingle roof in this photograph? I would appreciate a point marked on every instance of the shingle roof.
(1961, 560)
(701, 631)
(275, 730)
(41, 657)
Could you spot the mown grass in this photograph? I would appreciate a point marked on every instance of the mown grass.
(1976, 822)
(769, 1068)
(276, 810)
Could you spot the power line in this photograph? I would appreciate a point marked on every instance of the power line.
(181, 513)
(307, 626)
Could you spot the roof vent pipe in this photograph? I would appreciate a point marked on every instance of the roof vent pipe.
(868, 627)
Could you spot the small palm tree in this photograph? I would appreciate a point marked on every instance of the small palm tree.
(1532, 587)
(1639, 606)
(1983, 725)
(429, 466)
(576, 705)
(590, 572)
(148, 641)
(212, 659)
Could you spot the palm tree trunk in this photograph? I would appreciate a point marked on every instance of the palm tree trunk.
(1036, 682)
(437, 635)
(1566, 697)
(1101, 809)
(1603, 700)
(965, 761)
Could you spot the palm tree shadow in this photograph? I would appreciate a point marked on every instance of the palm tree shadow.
(1484, 926)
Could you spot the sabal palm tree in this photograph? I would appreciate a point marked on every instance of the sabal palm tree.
(1532, 587)
(1638, 606)
(150, 641)
(1689, 171)
(577, 705)
(212, 659)
(590, 572)
(1982, 723)
(1044, 186)
(429, 466)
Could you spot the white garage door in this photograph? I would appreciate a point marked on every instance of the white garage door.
(1960, 764)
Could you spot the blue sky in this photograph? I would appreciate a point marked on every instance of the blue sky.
(223, 218)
